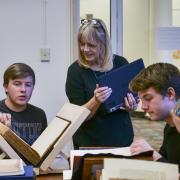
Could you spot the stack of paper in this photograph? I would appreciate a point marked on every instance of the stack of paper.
(11, 167)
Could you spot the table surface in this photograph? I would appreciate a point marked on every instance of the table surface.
(50, 177)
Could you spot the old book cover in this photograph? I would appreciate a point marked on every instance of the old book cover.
(18, 144)
(60, 130)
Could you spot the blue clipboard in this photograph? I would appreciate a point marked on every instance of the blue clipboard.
(119, 80)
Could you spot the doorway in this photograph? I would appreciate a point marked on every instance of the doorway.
(110, 11)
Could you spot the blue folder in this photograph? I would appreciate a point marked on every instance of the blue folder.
(119, 80)
(28, 175)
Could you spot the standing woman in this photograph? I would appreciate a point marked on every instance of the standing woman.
(96, 59)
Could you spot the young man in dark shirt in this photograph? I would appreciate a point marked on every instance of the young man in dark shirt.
(24, 119)
(158, 87)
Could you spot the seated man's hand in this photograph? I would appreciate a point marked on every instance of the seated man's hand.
(139, 146)
(5, 118)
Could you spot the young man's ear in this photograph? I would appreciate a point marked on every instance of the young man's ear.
(171, 93)
(5, 88)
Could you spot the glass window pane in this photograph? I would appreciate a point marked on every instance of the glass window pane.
(99, 9)
(175, 4)
(176, 18)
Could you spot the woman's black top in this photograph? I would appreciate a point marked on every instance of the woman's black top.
(104, 129)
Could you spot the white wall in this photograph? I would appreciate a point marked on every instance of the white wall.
(21, 37)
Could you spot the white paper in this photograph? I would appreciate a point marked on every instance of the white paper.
(168, 38)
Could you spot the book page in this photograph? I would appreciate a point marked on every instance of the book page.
(138, 169)
(76, 115)
(50, 135)
(2, 155)
(67, 174)
(124, 151)
(11, 167)
(9, 151)
(72, 112)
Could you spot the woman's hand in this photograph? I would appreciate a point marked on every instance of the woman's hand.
(5, 118)
(101, 94)
(130, 103)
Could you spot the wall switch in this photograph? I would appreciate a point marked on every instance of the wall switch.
(45, 54)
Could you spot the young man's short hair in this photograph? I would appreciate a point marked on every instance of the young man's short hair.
(160, 76)
(18, 70)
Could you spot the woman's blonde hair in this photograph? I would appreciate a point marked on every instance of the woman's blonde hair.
(94, 31)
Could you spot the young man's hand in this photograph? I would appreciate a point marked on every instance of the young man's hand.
(5, 118)
(141, 145)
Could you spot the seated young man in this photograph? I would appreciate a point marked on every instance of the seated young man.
(25, 120)
(158, 87)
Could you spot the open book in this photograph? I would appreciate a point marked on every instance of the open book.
(49, 144)
(138, 169)
(85, 163)
(124, 151)
(11, 167)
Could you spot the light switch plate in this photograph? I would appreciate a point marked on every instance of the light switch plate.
(45, 54)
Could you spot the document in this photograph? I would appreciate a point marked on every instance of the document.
(131, 169)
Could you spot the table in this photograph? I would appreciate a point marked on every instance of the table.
(50, 177)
